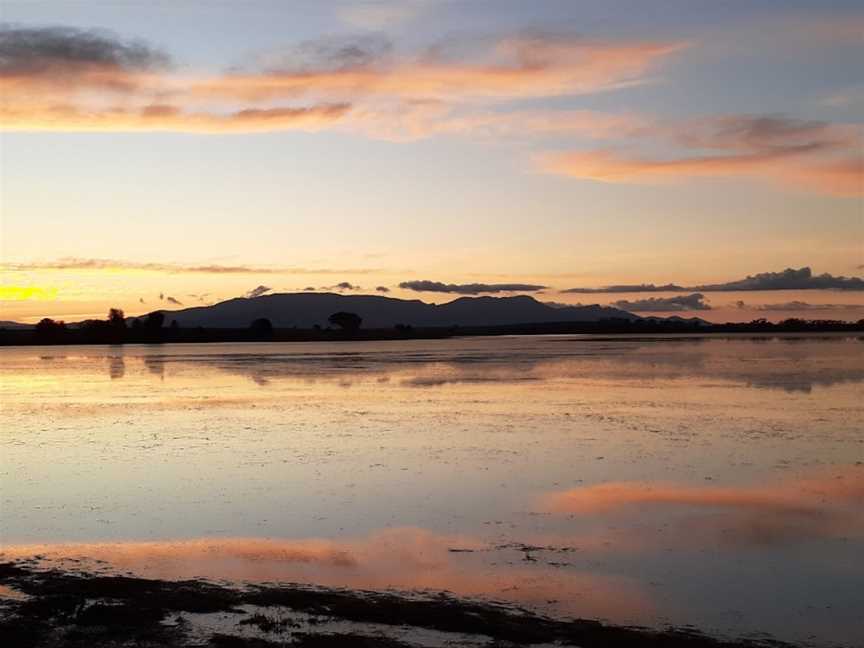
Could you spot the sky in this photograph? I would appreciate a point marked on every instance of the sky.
(165, 154)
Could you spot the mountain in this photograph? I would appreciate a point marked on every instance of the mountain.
(305, 310)
(4, 324)
(694, 321)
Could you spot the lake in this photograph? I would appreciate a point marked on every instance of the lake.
(707, 481)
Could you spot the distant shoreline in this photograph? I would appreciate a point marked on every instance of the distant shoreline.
(74, 336)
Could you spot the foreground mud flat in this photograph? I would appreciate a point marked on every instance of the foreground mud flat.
(47, 608)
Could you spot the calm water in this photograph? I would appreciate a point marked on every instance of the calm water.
(706, 481)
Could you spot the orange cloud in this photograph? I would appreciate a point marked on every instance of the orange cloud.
(841, 178)
(826, 158)
(521, 67)
(169, 118)
(115, 265)
(75, 80)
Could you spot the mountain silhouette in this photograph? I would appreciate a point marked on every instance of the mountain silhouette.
(306, 310)
(5, 324)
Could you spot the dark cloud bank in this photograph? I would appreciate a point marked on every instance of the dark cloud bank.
(797, 306)
(424, 285)
(693, 302)
(788, 279)
(57, 51)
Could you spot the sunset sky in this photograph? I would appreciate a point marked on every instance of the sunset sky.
(196, 151)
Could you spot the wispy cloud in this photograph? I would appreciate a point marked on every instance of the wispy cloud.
(76, 263)
(511, 67)
(59, 78)
(788, 279)
(163, 117)
(78, 80)
(424, 285)
(816, 156)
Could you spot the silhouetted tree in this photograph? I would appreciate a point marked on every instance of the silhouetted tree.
(154, 321)
(116, 319)
(50, 331)
(94, 325)
(346, 321)
(261, 327)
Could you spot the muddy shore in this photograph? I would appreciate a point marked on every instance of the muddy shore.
(41, 608)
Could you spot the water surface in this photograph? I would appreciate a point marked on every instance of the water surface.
(706, 481)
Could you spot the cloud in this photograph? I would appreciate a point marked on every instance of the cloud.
(788, 279)
(76, 263)
(664, 304)
(628, 288)
(66, 79)
(171, 300)
(468, 289)
(257, 291)
(810, 155)
(514, 67)
(170, 118)
(382, 289)
(52, 59)
(341, 286)
(797, 306)
(58, 78)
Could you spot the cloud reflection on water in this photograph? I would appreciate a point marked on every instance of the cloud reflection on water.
(827, 505)
(405, 559)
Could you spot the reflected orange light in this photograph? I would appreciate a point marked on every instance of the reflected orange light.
(404, 559)
(816, 494)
